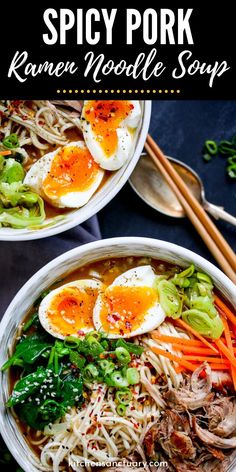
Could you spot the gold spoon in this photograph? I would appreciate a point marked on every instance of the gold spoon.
(149, 184)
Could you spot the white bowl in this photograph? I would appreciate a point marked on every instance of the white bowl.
(69, 261)
(103, 196)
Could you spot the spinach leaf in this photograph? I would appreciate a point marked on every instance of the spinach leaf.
(71, 390)
(131, 347)
(29, 350)
(38, 417)
(27, 386)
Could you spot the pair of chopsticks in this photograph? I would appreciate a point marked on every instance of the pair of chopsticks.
(212, 237)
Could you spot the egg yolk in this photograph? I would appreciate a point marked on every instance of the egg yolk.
(124, 308)
(71, 310)
(73, 169)
(105, 116)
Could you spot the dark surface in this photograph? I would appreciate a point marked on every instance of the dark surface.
(180, 128)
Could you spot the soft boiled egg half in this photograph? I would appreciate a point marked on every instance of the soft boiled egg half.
(108, 127)
(130, 305)
(66, 177)
(68, 310)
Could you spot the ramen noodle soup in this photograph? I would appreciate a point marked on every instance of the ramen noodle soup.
(126, 359)
(54, 155)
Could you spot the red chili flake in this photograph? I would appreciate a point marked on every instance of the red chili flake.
(81, 332)
(131, 106)
(87, 112)
(132, 408)
(99, 399)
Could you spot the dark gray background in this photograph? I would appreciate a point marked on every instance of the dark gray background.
(180, 128)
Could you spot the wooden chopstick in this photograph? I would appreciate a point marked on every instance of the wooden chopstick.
(201, 226)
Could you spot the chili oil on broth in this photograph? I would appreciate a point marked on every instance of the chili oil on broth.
(106, 271)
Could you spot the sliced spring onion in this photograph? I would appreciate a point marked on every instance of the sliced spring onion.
(11, 141)
(231, 170)
(204, 304)
(72, 342)
(95, 348)
(202, 277)
(182, 279)
(90, 372)
(123, 396)
(211, 147)
(232, 159)
(226, 148)
(107, 366)
(169, 298)
(116, 379)
(132, 376)
(203, 323)
(95, 335)
(121, 409)
(122, 355)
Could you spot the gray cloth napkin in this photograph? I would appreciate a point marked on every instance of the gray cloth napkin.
(20, 260)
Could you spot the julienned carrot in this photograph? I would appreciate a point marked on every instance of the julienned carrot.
(174, 339)
(223, 348)
(179, 369)
(210, 360)
(220, 367)
(228, 313)
(189, 328)
(230, 347)
(195, 350)
(5, 153)
(173, 358)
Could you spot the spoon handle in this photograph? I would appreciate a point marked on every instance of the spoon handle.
(219, 213)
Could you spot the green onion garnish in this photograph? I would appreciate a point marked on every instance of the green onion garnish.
(122, 355)
(11, 141)
(132, 376)
(72, 342)
(90, 372)
(123, 396)
(107, 366)
(211, 147)
(121, 409)
(116, 379)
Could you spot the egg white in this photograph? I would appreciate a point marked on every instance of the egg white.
(137, 277)
(45, 304)
(125, 139)
(39, 171)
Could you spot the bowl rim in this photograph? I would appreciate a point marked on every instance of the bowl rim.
(53, 230)
(119, 240)
(130, 241)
